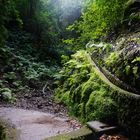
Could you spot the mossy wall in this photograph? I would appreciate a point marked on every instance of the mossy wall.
(124, 60)
(91, 96)
(129, 115)
(80, 87)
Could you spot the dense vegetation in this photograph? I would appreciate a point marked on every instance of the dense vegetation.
(40, 37)
(82, 90)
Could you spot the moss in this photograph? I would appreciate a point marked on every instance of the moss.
(97, 98)
(81, 86)
(124, 65)
(8, 132)
(2, 132)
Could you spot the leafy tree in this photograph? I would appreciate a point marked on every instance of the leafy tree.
(7, 12)
(98, 20)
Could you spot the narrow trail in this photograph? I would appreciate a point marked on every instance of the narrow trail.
(37, 116)
(35, 125)
(33, 98)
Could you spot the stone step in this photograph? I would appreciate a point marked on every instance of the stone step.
(100, 128)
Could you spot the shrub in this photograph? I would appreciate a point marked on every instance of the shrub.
(99, 18)
(124, 61)
(81, 89)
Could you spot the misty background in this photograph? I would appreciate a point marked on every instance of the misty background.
(67, 10)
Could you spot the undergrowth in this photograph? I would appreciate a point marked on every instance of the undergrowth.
(20, 67)
(81, 89)
(124, 60)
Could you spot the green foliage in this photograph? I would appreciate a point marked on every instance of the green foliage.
(124, 61)
(112, 59)
(9, 76)
(6, 94)
(90, 96)
(80, 88)
(64, 58)
(20, 66)
(137, 59)
(41, 20)
(99, 51)
(2, 132)
(98, 20)
(7, 13)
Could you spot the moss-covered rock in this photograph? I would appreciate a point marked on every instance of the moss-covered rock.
(92, 96)
(87, 96)
(124, 61)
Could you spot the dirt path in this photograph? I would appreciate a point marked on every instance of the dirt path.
(36, 115)
(35, 125)
(35, 99)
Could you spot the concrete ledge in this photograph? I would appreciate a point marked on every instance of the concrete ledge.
(81, 134)
(100, 128)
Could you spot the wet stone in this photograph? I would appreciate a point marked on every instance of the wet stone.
(101, 128)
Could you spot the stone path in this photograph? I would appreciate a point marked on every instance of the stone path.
(34, 125)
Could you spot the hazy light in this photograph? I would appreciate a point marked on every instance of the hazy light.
(67, 10)
(71, 10)
(70, 3)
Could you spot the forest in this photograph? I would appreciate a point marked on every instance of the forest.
(77, 60)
